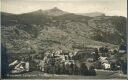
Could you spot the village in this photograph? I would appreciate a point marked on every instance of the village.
(83, 62)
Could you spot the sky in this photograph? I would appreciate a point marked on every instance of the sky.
(109, 7)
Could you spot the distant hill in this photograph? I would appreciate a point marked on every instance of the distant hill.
(38, 31)
(93, 14)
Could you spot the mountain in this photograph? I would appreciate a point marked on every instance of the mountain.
(93, 14)
(50, 12)
(38, 31)
(54, 12)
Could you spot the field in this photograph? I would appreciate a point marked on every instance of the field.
(101, 74)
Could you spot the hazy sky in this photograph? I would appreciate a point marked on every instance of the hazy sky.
(109, 7)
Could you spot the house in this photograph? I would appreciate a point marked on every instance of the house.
(122, 49)
(41, 65)
(19, 68)
(90, 60)
(27, 66)
(104, 62)
(106, 66)
(13, 63)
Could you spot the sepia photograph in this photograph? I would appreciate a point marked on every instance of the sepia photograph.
(64, 39)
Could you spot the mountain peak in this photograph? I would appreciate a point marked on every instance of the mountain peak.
(50, 12)
(55, 8)
(55, 12)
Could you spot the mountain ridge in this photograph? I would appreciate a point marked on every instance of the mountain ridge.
(30, 33)
(92, 14)
(57, 12)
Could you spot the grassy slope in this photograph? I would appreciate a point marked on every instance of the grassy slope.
(35, 33)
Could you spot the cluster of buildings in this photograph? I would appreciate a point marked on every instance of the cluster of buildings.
(55, 59)
(45, 64)
(61, 62)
